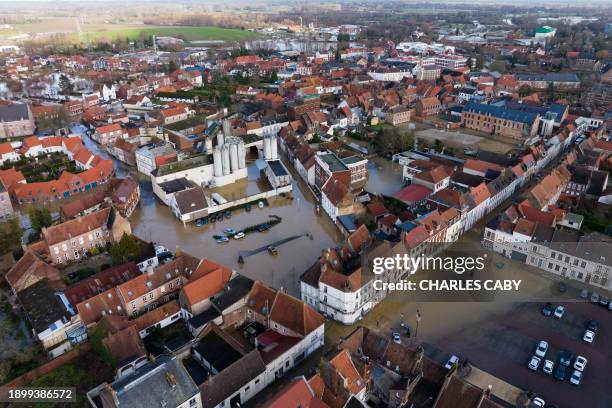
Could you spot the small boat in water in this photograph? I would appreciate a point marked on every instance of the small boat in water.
(260, 204)
(228, 214)
(222, 240)
(201, 222)
(229, 231)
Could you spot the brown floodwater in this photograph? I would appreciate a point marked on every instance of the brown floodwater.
(384, 176)
(153, 221)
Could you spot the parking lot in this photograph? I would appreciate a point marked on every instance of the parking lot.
(503, 345)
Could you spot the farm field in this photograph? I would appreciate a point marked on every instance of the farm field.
(83, 32)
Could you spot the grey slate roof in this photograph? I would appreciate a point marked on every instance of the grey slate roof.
(233, 291)
(221, 386)
(190, 200)
(553, 76)
(501, 112)
(42, 306)
(14, 113)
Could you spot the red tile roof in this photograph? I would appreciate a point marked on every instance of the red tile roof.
(413, 194)
(76, 227)
(100, 282)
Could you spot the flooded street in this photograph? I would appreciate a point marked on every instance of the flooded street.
(153, 221)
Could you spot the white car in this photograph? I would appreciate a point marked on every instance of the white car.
(396, 338)
(559, 312)
(580, 363)
(534, 363)
(239, 235)
(538, 402)
(451, 362)
(576, 377)
(541, 349)
(548, 366)
(589, 336)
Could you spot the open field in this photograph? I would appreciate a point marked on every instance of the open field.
(76, 31)
(462, 139)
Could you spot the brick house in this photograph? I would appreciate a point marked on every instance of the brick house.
(108, 134)
(428, 106)
(70, 241)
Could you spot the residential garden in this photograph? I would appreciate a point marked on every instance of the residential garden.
(43, 168)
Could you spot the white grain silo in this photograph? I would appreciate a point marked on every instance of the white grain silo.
(267, 151)
(241, 155)
(274, 147)
(226, 160)
(234, 156)
(227, 128)
(217, 162)
(220, 139)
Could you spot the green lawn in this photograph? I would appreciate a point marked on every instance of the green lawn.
(187, 33)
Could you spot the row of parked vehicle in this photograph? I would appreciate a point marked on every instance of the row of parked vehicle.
(596, 299)
(560, 371)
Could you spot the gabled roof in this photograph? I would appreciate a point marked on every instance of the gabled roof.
(105, 303)
(100, 282)
(125, 346)
(298, 393)
(73, 228)
(206, 286)
(260, 298)
(413, 193)
(30, 269)
(114, 127)
(219, 387)
(190, 200)
(42, 306)
(294, 314)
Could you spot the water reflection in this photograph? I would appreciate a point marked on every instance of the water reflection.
(155, 222)
(384, 176)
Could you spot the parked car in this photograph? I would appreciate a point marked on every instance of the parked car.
(538, 402)
(593, 325)
(272, 250)
(229, 231)
(541, 349)
(548, 366)
(589, 336)
(534, 363)
(576, 377)
(584, 294)
(560, 372)
(201, 222)
(604, 301)
(263, 227)
(239, 235)
(565, 358)
(396, 338)
(451, 362)
(580, 363)
(559, 311)
(222, 240)
(594, 297)
(547, 310)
